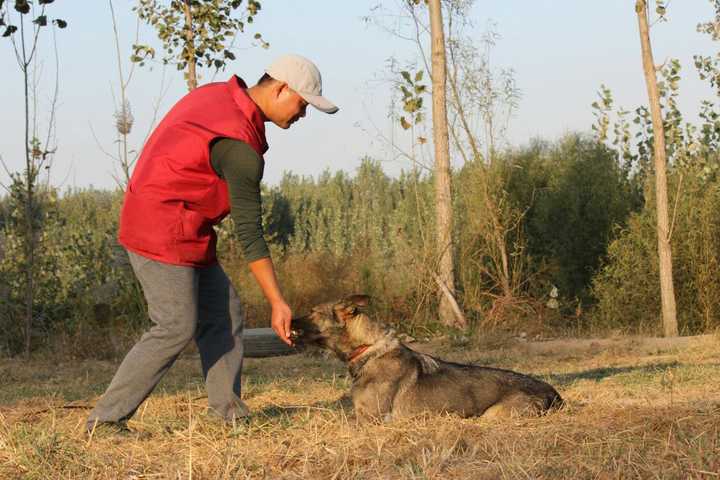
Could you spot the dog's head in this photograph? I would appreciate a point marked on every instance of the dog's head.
(340, 326)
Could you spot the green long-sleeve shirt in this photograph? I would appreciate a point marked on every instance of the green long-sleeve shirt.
(242, 168)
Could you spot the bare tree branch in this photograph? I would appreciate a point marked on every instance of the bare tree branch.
(420, 28)
(52, 127)
(99, 145)
(12, 38)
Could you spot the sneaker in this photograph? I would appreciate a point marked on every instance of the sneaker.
(237, 413)
(107, 429)
(241, 412)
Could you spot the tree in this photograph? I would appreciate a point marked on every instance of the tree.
(126, 156)
(195, 33)
(443, 196)
(483, 99)
(24, 189)
(667, 291)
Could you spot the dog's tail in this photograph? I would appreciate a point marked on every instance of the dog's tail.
(553, 401)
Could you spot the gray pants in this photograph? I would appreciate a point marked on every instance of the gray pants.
(184, 303)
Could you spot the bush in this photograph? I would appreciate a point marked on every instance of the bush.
(582, 195)
(628, 287)
(556, 207)
(82, 281)
(552, 208)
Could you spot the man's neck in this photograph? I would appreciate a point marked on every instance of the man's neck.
(257, 95)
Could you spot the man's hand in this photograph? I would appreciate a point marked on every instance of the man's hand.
(280, 321)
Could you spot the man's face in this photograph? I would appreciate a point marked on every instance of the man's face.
(288, 107)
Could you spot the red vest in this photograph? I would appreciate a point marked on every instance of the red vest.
(174, 196)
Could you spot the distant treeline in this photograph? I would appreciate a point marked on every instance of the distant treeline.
(554, 235)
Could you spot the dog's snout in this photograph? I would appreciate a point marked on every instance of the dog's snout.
(305, 332)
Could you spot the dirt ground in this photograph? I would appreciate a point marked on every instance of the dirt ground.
(636, 408)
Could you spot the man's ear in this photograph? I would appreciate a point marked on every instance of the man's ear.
(277, 88)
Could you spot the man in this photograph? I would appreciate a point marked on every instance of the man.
(203, 161)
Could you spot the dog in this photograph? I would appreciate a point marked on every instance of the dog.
(390, 380)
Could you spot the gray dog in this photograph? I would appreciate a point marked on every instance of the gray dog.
(390, 379)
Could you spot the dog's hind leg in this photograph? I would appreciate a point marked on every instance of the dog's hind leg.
(514, 405)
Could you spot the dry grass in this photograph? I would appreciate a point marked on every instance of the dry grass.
(636, 409)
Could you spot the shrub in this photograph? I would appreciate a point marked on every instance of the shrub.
(627, 287)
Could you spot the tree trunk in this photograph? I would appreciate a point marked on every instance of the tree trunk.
(29, 233)
(490, 208)
(443, 197)
(29, 230)
(189, 47)
(667, 292)
(123, 128)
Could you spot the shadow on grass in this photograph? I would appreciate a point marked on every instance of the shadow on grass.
(599, 374)
(340, 405)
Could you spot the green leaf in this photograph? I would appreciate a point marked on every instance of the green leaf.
(22, 6)
(45, 2)
(41, 20)
(404, 123)
(60, 23)
(9, 30)
(406, 76)
(419, 76)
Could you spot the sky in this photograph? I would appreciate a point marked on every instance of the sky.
(560, 50)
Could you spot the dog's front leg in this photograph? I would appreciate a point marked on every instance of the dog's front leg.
(374, 400)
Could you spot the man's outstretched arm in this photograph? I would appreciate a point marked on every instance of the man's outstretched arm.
(264, 273)
(242, 168)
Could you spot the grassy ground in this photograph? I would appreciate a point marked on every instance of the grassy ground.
(637, 408)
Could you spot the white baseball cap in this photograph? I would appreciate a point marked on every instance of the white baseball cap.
(304, 77)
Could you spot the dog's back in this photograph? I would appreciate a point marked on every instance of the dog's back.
(426, 383)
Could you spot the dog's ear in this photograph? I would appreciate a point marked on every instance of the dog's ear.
(344, 311)
(349, 306)
(358, 300)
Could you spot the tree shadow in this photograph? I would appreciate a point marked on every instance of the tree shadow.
(599, 374)
(342, 404)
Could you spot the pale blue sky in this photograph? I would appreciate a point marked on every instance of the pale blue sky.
(561, 51)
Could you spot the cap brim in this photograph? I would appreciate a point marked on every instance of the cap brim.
(320, 102)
